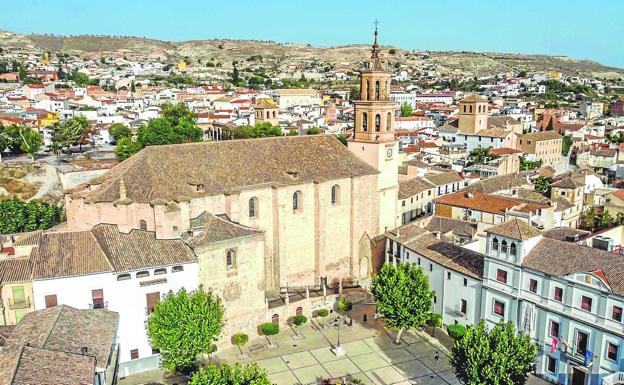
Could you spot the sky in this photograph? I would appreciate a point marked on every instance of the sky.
(584, 29)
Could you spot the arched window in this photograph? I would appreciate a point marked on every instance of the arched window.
(464, 108)
(389, 121)
(230, 258)
(335, 191)
(377, 90)
(504, 246)
(275, 318)
(377, 123)
(470, 108)
(367, 93)
(513, 249)
(297, 200)
(495, 244)
(299, 311)
(253, 207)
(143, 224)
(123, 277)
(364, 121)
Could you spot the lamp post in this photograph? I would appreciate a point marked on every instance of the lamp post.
(338, 350)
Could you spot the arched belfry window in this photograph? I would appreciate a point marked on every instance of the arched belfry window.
(367, 91)
(464, 108)
(389, 122)
(504, 246)
(495, 244)
(364, 121)
(335, 191)
(469, 108)
(253, 207)
(377, 90)
(230, 259)
(143, 224)
(513, 249)
(297, 200)
(377, 123)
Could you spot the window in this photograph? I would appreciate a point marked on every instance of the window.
(364, 121)
(558, 294)
(377, 123)
(143, 224)
(335, 191)
(367, 90)
(495, 244)
(297, 200)
(155, 351)
(160, 271)
(275, 318)
(465, 281)
(501, 276)
(123, 277)
(19, 295)
(134, 354)
(586, 303)
(98, 299)
(435, 298)
(616, 313)
(612, 351)
(50, 301)
(177, 269)
(152, 299)
(418, 261)
(389, 121)
(230, 259)
(253, 207)
(582, 339)
(377, 90)
(504, 246)
(533, 285)
(299, 311)
(499, 308)
(448, 275)
(551, 365)
(142, 274)
(430, 267)
(463, 306)
(513, 249)
(554, 329)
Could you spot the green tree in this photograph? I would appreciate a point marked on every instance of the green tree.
(406, 109)
(403, 296)
(456, 331)
(250, 374)
(259, 130)
(118, 131)
(126, 147)
(313, 131)
(550, 127)
(499, 356)
(323, 313)
(298, 321)
(177, 125)
(269, 329)
(70, 132)
(542, 184)
(240, 339)
(235, 76)
(132, 87)
(185, 325)
(17, 216)
(606, 219)
(588, 219)
(481, 155)
(21, 140)
(434, 321)
(566, 145)
(529, 164)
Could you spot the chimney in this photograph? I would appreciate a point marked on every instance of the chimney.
(122, 190)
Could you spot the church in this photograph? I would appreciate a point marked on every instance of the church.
(262, 215)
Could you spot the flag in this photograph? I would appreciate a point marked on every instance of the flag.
(588, 355)
(555, 341)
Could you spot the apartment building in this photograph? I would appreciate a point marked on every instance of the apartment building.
(542, 145)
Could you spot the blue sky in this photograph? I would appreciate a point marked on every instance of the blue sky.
(589, 29)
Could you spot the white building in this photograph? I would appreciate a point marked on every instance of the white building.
(125, 273)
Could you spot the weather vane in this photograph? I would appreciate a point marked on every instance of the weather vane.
(376, 22)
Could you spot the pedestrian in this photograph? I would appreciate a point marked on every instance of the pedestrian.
(436, 356)
(364, 319)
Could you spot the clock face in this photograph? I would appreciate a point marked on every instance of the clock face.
(389, 153)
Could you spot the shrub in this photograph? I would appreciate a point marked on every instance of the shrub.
(456, 332)
(269, 329)
(300, 320)
(345, 305)
(322, 313)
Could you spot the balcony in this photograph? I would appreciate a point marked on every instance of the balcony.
(99, 305)
(614, 379)
(20, 304)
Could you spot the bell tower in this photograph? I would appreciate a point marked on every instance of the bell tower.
(373, 138)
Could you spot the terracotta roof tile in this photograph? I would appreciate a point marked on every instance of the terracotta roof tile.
(516, 229)
(208, 229)
(411, 187)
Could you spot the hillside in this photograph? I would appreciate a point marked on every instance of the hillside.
(277, 54)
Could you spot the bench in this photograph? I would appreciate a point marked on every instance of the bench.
(255, 348)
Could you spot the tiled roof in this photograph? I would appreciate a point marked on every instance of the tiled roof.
(45, 347)
(444, 178)
(541, 135)
(566, 233)
(516, 229)
(174, 172)
(498, 183)
(495, 132)
(449, 255)
(104, 249)
(566, 182)
(446, 225)
(411, 187)
(474, 98)
(501, 121)
(477, 201)
(560, 258)
(214, 228)
(28, 239)
(13, 270)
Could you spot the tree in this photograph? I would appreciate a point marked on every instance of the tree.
(434, 321)
(345, 305)
(269, 329)
(250, 374)
(606, 219)
(550, 127)
(17, 216)
(185, 325)
(566, 145)
(70, 132)
(403, 296)
(529, 164)
(542, 184)
(235, 76)
(322, 313)
(588, 219)
(118, 131)
(240, 339)
(406, 109)
(177, 125)
(456, 331)
(299, 320)
(126, 147)
(481, 155)
(21, 140)
(313, 131)
(132, 87)
(499, 356)
(259, 130)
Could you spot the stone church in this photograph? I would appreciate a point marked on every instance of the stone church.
(262, 214)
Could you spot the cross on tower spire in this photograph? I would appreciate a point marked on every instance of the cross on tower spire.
(376, 61)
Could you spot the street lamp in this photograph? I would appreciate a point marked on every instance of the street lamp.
(338, 350)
